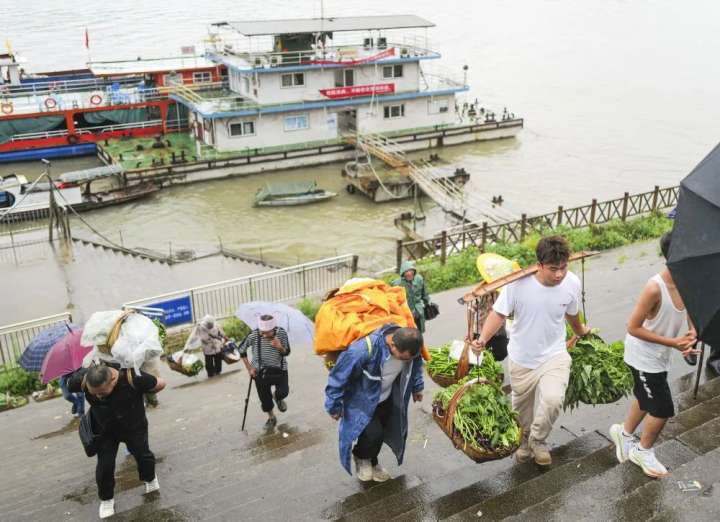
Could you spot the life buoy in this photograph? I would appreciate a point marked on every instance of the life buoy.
(95, 99)
(50, 103)
(7, 107)
(72, 139)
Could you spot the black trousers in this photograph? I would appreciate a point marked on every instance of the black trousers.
(213, 364)
(371, 439)
(137, 444)
(264, 389)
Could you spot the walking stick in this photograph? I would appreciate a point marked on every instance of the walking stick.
(247, 400)
(699, 371)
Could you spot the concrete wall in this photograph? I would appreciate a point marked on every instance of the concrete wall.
(418, 113)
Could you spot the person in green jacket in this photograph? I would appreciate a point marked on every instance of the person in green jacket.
(415, 291)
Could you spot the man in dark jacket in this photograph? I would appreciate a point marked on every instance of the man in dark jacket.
(118, 415)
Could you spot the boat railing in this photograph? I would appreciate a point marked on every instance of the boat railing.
(348, 54)
(15, 337)
(86, 130)
(49, 88)
(287, 284)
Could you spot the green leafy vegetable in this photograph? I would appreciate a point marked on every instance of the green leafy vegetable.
(441, 364)
(598, 374)
(484, 417)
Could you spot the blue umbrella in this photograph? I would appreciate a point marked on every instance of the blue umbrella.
(300, 329)
(35, 352)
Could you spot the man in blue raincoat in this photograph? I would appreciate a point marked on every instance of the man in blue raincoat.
(369, 391)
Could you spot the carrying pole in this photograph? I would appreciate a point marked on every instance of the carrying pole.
(247, 400)
(699, 370)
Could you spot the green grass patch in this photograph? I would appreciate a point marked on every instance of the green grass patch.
(460, 270)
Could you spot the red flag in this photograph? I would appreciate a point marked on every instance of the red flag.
(87, 39)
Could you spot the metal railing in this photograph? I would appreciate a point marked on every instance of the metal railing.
(456, 239)
(285, 284)
(50, 87)
(15, 337)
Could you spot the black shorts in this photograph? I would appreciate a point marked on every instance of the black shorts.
(653, 393)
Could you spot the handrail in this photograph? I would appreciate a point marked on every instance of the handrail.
(35, 322)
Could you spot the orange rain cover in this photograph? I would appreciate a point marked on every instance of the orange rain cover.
(358, 309)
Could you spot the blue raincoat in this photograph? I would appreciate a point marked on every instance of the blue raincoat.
(353, 389)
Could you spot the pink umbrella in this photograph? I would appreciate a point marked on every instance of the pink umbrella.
(64, 357)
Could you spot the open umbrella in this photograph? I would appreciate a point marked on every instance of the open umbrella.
(35, 352)
(299, 328)
(694, 258)
(64, 357)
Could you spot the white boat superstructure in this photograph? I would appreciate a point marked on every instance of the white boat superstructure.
(313, 80)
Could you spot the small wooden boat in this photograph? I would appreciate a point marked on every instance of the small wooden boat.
(289, 194)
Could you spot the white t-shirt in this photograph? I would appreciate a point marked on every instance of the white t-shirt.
(537, 333)
(390, 370)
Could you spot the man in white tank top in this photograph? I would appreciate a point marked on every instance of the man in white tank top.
(539, 361)
(655, 328)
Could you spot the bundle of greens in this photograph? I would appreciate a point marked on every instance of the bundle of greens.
(162, 331)
(598, 374)
(8, 402)
(484, 418)
(442, 364)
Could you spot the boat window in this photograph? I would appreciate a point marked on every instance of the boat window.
(393, 71)
(438, 106)
(344, 77)
(292, 80)
(394, 111)
(7, 199)
(202, 77)
(299, 122)
(244, 128)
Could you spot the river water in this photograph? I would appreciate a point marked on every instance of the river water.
(617, 96)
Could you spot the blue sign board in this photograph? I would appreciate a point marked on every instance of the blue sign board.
(177, 311)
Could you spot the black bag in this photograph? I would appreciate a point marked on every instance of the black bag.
(89, 439)
(498, 346)
(432, 310)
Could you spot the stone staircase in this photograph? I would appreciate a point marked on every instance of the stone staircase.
(210, 470)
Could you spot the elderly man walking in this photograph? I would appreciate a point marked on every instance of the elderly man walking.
(369, 391)
(415, 292)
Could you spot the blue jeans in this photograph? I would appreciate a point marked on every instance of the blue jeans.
(76, 399)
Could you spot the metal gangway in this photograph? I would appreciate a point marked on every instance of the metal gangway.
(441, 189)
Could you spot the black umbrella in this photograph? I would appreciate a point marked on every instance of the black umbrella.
(694, 258)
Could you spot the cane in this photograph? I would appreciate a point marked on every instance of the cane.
(699, 371)
(247, 400)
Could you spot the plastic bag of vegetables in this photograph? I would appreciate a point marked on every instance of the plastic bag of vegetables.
(598, 374)
(442, 367)
(477, 416)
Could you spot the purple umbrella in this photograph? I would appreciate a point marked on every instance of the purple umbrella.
(64, 357)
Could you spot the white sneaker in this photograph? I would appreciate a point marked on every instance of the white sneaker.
(646, 459)
(623, 443)
(107, 508)
(364, 469)
(379, 474)
(154, 485)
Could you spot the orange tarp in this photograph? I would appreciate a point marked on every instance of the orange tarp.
(358, 309)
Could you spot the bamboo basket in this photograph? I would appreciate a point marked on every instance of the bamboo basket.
(445, 419)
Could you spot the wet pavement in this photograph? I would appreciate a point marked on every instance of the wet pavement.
(209, 470)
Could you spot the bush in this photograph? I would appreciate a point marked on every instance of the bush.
(309, 307)
(460, 270)
(17, 381)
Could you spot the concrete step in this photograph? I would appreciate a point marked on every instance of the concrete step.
(461, 487)
(557, 481)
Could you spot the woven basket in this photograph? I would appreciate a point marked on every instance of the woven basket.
(177, 367)
(611, 400)
(445, 419)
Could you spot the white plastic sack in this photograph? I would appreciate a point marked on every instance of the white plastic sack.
(138, 342)
(193, 342)
(97, 328)
(456, 349)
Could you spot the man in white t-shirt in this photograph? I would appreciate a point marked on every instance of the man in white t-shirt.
(539, 362)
